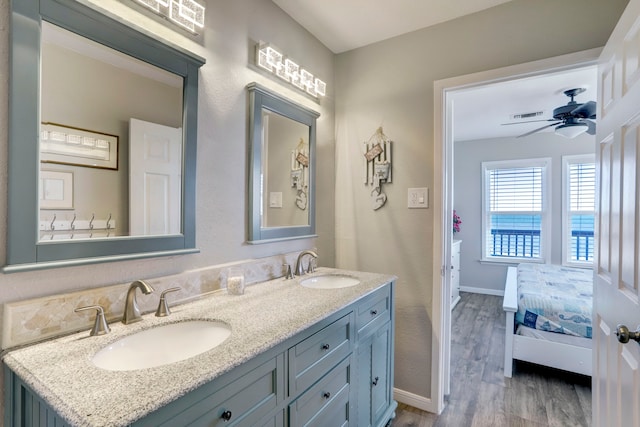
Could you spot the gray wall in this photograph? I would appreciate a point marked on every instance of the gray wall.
(391, 84)
(468, 157)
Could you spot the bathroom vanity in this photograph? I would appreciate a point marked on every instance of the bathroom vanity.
(296, 356)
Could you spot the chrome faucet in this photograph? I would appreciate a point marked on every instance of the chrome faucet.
(131, 310)
(299, 267)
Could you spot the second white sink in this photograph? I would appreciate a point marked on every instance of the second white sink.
(162, 345)
(330, 281)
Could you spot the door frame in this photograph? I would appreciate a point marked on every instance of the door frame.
(443, 197)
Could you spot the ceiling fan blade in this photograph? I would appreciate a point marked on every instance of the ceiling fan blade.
(529, 121)
(585, 111)
(591, 130)
(537, 130)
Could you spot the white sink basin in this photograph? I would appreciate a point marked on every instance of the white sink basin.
(162, 345)
(329, 281)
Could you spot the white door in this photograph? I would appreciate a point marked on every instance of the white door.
(155, 178)
(616, 378)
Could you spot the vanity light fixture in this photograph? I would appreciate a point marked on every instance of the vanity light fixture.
(188, 14)
(273, 61)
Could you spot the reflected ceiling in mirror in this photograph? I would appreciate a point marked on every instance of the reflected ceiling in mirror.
(110, 142)
(285, 190)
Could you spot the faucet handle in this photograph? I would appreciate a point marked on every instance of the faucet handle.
(311, 267)
(163, 307)
(289, 273)
(100, 327)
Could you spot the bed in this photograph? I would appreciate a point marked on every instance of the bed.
(548, 317)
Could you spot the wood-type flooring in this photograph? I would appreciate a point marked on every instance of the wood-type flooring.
(480, 394)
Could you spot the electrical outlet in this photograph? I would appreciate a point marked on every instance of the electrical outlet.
(418, 198)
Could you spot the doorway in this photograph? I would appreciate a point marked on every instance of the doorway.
(444, 94)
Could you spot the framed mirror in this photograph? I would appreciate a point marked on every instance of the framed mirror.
(282, 136)
(90, 98)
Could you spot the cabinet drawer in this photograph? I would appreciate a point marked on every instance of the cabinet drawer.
(373, 311)
(327, 402)
(241, 403)
(312, 358)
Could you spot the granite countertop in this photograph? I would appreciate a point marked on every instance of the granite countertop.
(60, 371)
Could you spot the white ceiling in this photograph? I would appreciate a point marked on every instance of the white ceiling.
(344, 25)
(480, 113)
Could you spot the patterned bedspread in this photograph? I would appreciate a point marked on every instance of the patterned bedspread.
(555, 298)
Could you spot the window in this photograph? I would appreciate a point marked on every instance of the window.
(578, 209)
(515, 205)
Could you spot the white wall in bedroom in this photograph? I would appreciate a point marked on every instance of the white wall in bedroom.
(468, 157)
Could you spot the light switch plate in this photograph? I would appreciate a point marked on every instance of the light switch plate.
(275, 199)
(418, 198)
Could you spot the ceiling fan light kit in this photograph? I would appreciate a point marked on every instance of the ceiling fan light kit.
(571, 130)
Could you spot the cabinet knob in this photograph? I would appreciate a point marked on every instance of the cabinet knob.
(326, 395)
(375, 381)
(326, 346)
(374, 312)
(226, 416)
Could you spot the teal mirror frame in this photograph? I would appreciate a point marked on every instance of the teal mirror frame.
(24, 251)
(262, 98)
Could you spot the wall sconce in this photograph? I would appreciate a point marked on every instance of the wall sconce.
(188, 14)
(271, 60)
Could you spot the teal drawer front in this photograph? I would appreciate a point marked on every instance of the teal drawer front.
(373, 311)
(316, 355)
(327, 402)
(244, 402)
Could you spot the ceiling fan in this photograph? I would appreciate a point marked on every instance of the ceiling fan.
(571, 120)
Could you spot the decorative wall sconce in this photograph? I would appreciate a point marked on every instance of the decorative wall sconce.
(377, 166)
(188, 14)
(271, 60)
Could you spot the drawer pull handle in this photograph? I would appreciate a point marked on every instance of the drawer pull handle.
(326, 395)
(375, 381)
(226, 416)
(374, 312)
(326, 346)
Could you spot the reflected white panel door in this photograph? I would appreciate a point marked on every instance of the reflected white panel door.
(155, 178)
(616, 380)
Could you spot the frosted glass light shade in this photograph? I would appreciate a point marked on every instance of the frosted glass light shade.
(571, 130)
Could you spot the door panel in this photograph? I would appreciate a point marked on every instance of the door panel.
(155, 178)
(616, 379)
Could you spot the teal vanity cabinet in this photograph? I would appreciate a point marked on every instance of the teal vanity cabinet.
(336, 372)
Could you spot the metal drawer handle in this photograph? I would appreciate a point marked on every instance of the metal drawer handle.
(326, 395)
(326, 346)
(226, 416)
(375, 381)
(625, 335)
(374, 312)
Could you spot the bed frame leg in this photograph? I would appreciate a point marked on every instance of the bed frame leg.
(508, 345)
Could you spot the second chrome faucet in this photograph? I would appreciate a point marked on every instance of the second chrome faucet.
(299, 267)
(131, 309)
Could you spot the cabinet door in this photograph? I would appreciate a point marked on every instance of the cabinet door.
(373, 388)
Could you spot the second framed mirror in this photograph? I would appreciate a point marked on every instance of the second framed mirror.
(282, 138)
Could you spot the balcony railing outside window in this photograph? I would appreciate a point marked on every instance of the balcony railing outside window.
(515, 243)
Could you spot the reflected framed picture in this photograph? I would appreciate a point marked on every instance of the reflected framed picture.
(74, 146)
(56, 189)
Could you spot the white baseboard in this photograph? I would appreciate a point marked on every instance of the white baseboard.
(414, 400)
(474, 290)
